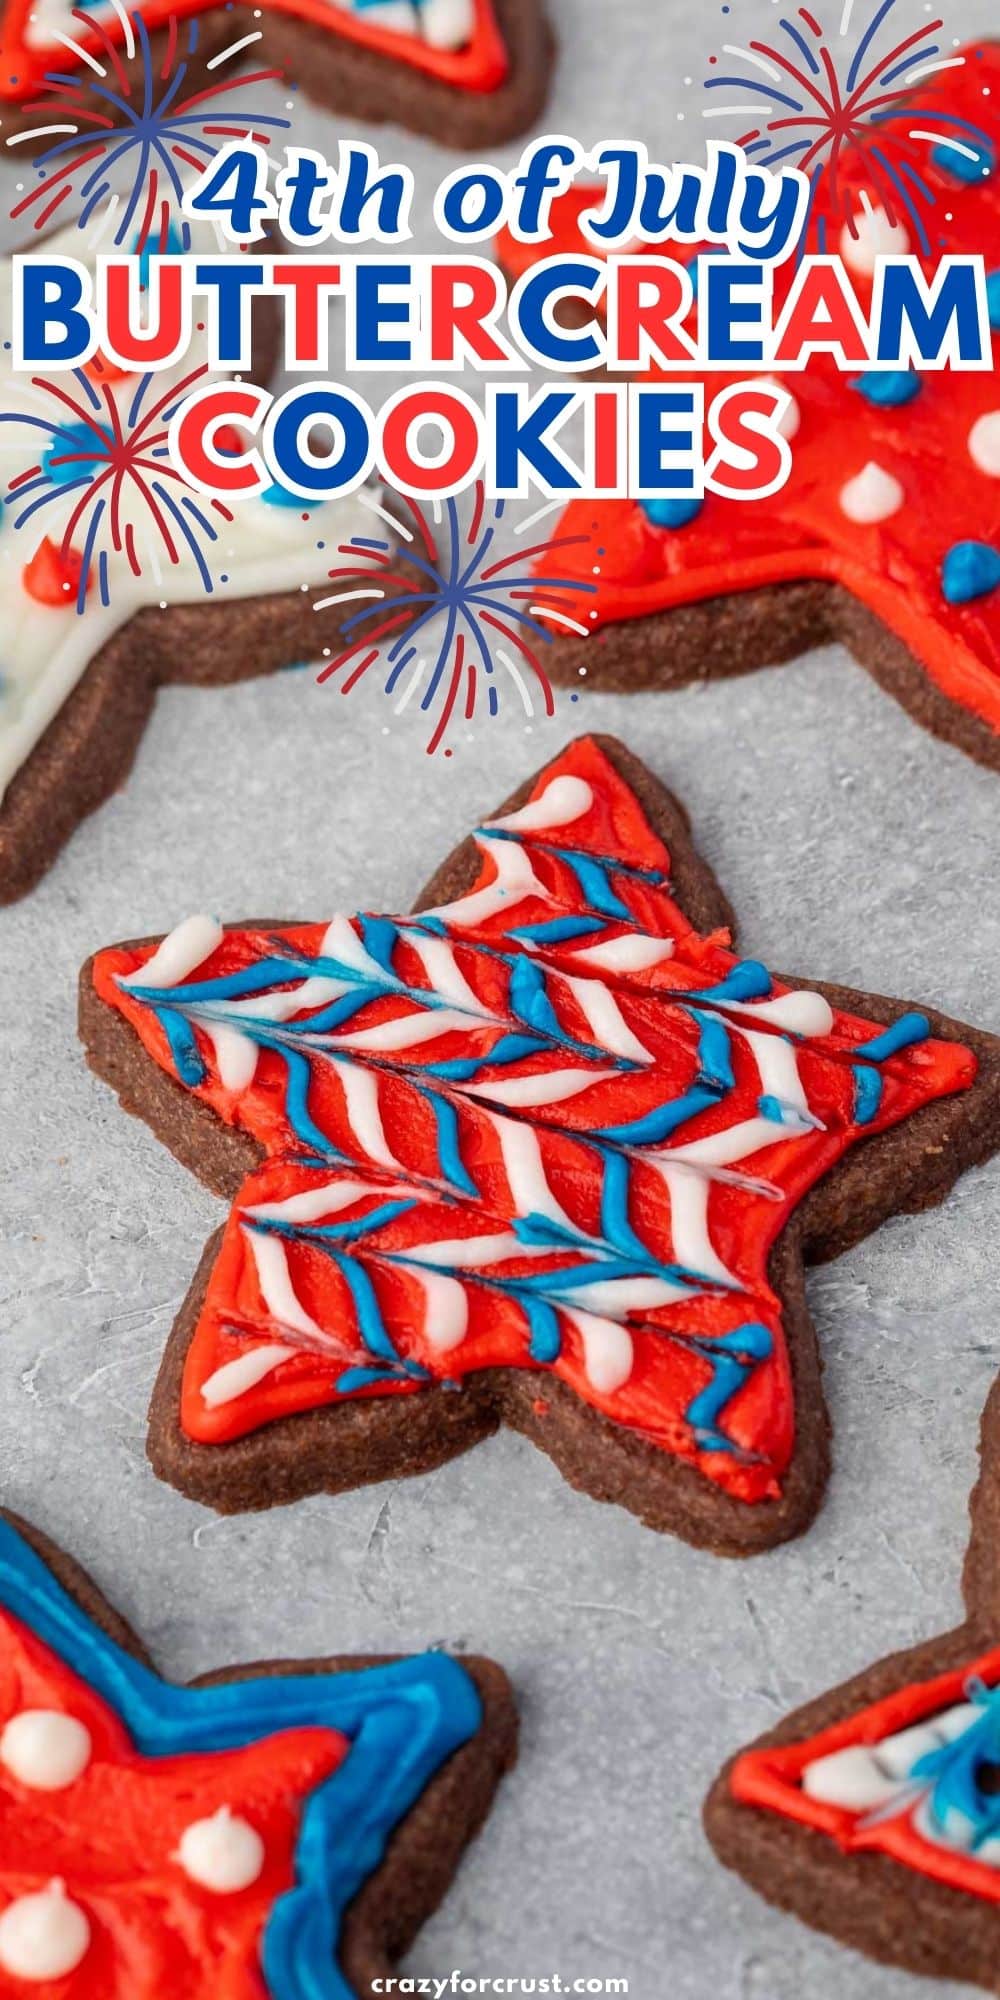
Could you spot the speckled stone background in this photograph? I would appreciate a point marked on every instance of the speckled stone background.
(853, 847)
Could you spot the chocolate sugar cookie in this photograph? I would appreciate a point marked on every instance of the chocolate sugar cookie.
(547, 1153)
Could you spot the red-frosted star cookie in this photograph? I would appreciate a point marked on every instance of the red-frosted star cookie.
(874, 1813)
(268, 1833)
(887, 534)
(471, 72)
(546, 1153)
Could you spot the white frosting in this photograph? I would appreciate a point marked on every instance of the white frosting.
(984, 443)
(446, 1319)
(605, 1020)
(790, 424)
(46, 648)
(515, 880)
(407, 1031)
(851, 1778)
(689, 1229)
(615, 1298)
(556, 1087)
(472, 1253)
(276, 1288)
(791, 1013)
(43, 1935)
(778, 1069)
(223, 1854)
(234, 1378)
(316, 1203)
(360, 1087)
(607, 1350)
(873, 495)
(443, 972)
(45, 1749)
(736, 1142)
(179, 954)
(629, 953)
(563, 801)
(869, 237)
(530, 1192)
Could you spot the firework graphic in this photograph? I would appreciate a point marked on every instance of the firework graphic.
(105, 473)
(452, 625)
(836, 106)
(125, 142)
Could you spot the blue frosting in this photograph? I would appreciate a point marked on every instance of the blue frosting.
(672, 513)
(733, 1359)
(973, 165)
(906, 1033)
(888, 389)
(403, 1721)
(279, 496)
(867, 1093)
(970, 570)
(155, 245)
(993, 298)
(76, 442)
(956, 1771)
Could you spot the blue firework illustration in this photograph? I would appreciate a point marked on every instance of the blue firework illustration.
(451, 624)
(825, 100)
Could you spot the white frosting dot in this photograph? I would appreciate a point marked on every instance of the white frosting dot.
(871, 236)
(43, 1936)
(872, 495)
(224, 1853)
(790, 424)
(850, 1778)
(45, 1749)
(984, 443)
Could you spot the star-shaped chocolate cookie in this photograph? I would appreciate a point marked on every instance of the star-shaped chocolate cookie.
(471, 73)
(279, 1830)
(874, 1812)
(886, 534)
(546, 1153)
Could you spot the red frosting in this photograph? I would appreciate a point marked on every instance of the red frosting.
(772, 1780)
(670, 1369)
(112, 1837)
(801, 532)
(482, 66)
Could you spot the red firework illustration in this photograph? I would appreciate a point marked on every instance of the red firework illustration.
(450, 621)
(116, 464)
(837, 106)
(129, 141)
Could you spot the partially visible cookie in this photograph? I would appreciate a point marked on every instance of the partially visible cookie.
(874, 1812)
(886, 534)
(283, 1828)
(469, 73)
(190, 592)
(546, 1153)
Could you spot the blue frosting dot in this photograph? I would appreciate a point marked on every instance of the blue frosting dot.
(970, 570)
(888, 389)
(993, 298)
(672, 513)
(76, 442)
(155, 248)
(279, 496)
(961, 167)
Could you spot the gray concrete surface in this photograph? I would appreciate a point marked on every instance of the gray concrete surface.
(853, 847)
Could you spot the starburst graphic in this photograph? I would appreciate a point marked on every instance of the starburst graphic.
(838, 107)
(450, 623)
(104, 471)
(124, 143)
